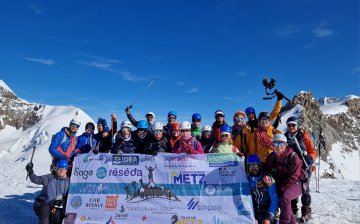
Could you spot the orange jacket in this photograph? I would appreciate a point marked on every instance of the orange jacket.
(262, 150)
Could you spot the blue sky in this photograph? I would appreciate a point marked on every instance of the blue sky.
(205, 55)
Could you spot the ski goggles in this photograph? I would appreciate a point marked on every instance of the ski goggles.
(276, 144)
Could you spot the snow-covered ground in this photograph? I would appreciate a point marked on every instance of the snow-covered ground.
(337, 106)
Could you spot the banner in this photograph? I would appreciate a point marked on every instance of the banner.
(165, 189)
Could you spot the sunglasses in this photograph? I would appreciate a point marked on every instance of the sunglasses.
(185, 130)
(264, 121)
(171, 117)
(62, 168)
(206, 132)
(142, 130)
(157, 131)
(253, 166)
(291, 125)
(219, 115)
(276, 144)
(74, 126)
(175, 131)
(196, 120)
(224, 135)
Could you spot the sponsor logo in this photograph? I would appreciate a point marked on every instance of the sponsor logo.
(122, 214)
(110, 221)
(93, 188)
(210, 190)
(159, 210)
(222, 160)
(85, 174)
(111, 202)
(94, 203)
(101, 172)
(218, 220)
(226, 172)
(76, 202)
(192, 204)
(180, 161)
(125, 160)
(185, 220)
(126, 172)
(82, 218)
(144, 218)
(70, 218)
(188, 177)
(91, 219)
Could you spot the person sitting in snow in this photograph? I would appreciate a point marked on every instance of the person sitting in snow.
(49, 206)
(63, 143)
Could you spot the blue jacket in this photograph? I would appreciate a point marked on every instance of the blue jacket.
(265, 198)
(86, 142)
(52, 187)
(67, 149)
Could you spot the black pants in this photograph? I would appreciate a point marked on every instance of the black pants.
(305, 198)
(46, 215)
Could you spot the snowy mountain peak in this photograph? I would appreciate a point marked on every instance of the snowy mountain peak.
(4, 86)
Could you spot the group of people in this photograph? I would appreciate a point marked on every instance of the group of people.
(278, 165)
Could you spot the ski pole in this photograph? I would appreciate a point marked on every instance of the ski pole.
(32, 156)
(142, 93)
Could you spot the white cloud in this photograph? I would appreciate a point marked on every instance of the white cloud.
(322, 31)
(192, 90)
(180, 83)
(355, 70)
(242, 74)
(133, 78)
(288, 31)
(98, 65)
(42, 61)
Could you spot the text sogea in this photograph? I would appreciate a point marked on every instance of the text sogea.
(126, 172)
(194, 178)
(83, 173)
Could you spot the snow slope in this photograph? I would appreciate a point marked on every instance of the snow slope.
(336, 106)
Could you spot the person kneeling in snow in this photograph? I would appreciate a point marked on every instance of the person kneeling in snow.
(49, 206)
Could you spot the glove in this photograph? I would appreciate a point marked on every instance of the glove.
(29, 167)
(127, 110)
(240, 154)
(154, 153)
(279, 95)
(95, 151)
(313, 168)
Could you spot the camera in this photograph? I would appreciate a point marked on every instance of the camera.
(269, 85)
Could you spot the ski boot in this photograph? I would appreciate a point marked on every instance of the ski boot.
(305, 214)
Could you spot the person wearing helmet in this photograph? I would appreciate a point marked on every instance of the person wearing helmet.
(242, 137)
(196, 126)
(124, 143)
(264, 196)
(219, 121)
(172, 115)
(207, 139)
(103, 137)
(253, 122)
(187, 143)
(225, 145)
(263, 136)
(175, 135)
(142, 136)
(301, 142)
(50, 204)
(63, 143)
(284, 165)
(158, 143)
(86, 141)
(150, 118)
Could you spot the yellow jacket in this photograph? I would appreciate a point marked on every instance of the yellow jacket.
(245, 141)
(262, 150)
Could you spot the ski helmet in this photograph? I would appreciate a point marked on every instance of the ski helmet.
(172, 113)
(62, 164)
(219, 112)
(196, 116)
(206, 128)
(142, 124)
(264, 114)
(175, 126)
(279, 138)
(250, 110)
(185, 125)
(90, 125)
(158, 126)
(253, 159)
(292, 120)
(150, 113)
(75, 121)
(126, 124)
(225, 128)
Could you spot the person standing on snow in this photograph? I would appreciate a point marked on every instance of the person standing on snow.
(264, 196)
(103, 137)
(207, 139)
(49, 206)
(158, 143)
(253, 122)
(175, 135)
(86, 141)
(63, 143)
(172, 115)
(284, 165)
(150, 118)
(196, 126)
(219, 121)
(301, 142)
(241, 136)
(142, 136)
(187, 143)
(225, 145)
(124, 143)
